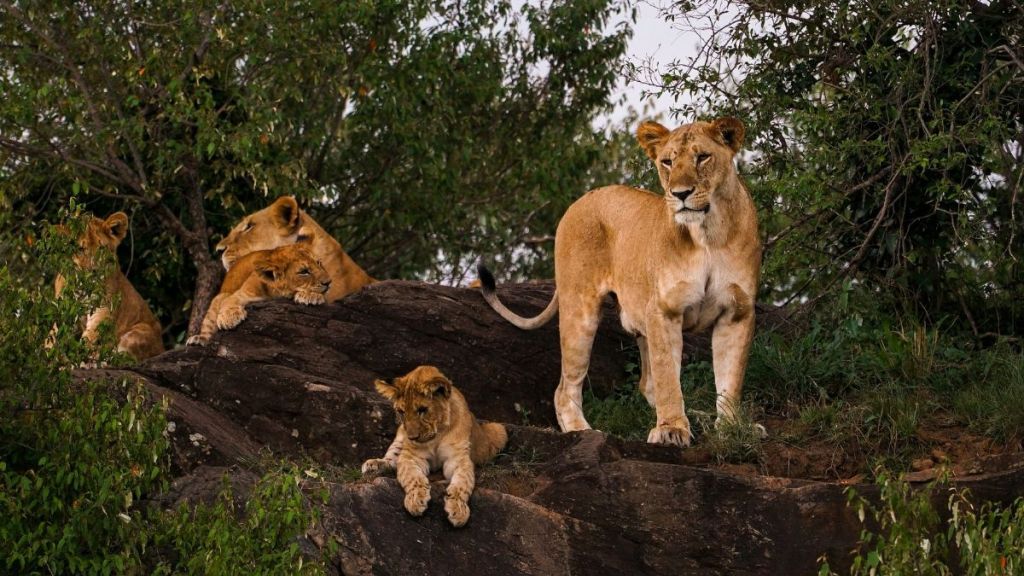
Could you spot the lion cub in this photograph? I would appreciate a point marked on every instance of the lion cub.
(289, 271)
(436, 431)
(136, 328)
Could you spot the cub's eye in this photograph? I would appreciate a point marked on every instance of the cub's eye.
(666, 162)
(421, 410)
(304, 272)
(702, 158)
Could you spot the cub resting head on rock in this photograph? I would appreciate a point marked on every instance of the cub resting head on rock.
(289, 271)
(436, 431)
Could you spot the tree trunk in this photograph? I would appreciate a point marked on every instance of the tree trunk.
(208, 278)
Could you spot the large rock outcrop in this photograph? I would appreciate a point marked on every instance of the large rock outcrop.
(299, 381)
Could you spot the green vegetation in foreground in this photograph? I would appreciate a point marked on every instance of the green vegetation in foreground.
(912, 539)
(77, 458)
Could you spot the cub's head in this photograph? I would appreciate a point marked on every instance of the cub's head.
(693, 162)
(293, 271)
(274, 226)
(421, 401)
(100, 239)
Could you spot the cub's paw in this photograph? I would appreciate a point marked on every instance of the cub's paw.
(376, 466)
(673, 435)
(310, 298)
(416, 500)
(197, 340)
(230, 317)
(457, 509)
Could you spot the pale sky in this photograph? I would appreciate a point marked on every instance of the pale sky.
(655, 41)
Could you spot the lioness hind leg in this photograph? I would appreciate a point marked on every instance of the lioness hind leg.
(578, 322)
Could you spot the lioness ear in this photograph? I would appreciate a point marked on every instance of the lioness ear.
(286, 211)
(117, 226)
(441, 387)
(386, 390)
(650, 135)
(732, 132)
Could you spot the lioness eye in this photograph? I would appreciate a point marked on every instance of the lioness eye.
(667, 162)
(421, 410)
(248, 226)
(701, 158)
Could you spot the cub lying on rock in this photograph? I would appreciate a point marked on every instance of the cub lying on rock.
(289, 271)
(436, 431)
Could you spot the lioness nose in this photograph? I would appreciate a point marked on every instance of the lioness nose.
(682, 194)
(326, 284)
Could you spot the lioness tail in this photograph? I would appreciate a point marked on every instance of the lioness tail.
(487, 288)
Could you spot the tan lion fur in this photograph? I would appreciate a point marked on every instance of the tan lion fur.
(283, 223)
(136, 329)
(436, 431)
(686, 260)
(286, 272)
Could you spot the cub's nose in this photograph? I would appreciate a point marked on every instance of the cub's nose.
(682, 195)
(326, 284)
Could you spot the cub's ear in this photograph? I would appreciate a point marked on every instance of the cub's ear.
(651, 136)
(268, 270)
(117, 226)
(441, 387)
(731, 131)
(386, 390)
(286, 213)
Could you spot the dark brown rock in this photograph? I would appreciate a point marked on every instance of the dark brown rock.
(299, 381)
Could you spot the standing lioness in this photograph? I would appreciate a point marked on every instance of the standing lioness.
(685, 261)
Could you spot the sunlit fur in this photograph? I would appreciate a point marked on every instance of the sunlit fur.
(436, 430)
(286, 272)
(136, 329)
(688, 259)
(283, 223)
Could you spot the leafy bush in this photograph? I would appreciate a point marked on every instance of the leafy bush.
(912, 537)
(76, 458)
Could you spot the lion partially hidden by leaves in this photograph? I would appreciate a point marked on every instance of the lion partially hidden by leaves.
(137, 331)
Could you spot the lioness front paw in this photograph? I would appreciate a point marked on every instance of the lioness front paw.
(310, 298)
(457, 509)
(230, 317)
(673, 435)
(416, 500)
(375, 466)
(197, 340)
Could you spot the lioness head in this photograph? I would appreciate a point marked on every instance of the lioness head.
(276, 225)
(693, 162)
(100, 235)
(293, 271)
(421, 403)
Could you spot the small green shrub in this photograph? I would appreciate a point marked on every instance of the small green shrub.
(912, 538)
(258, 537)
